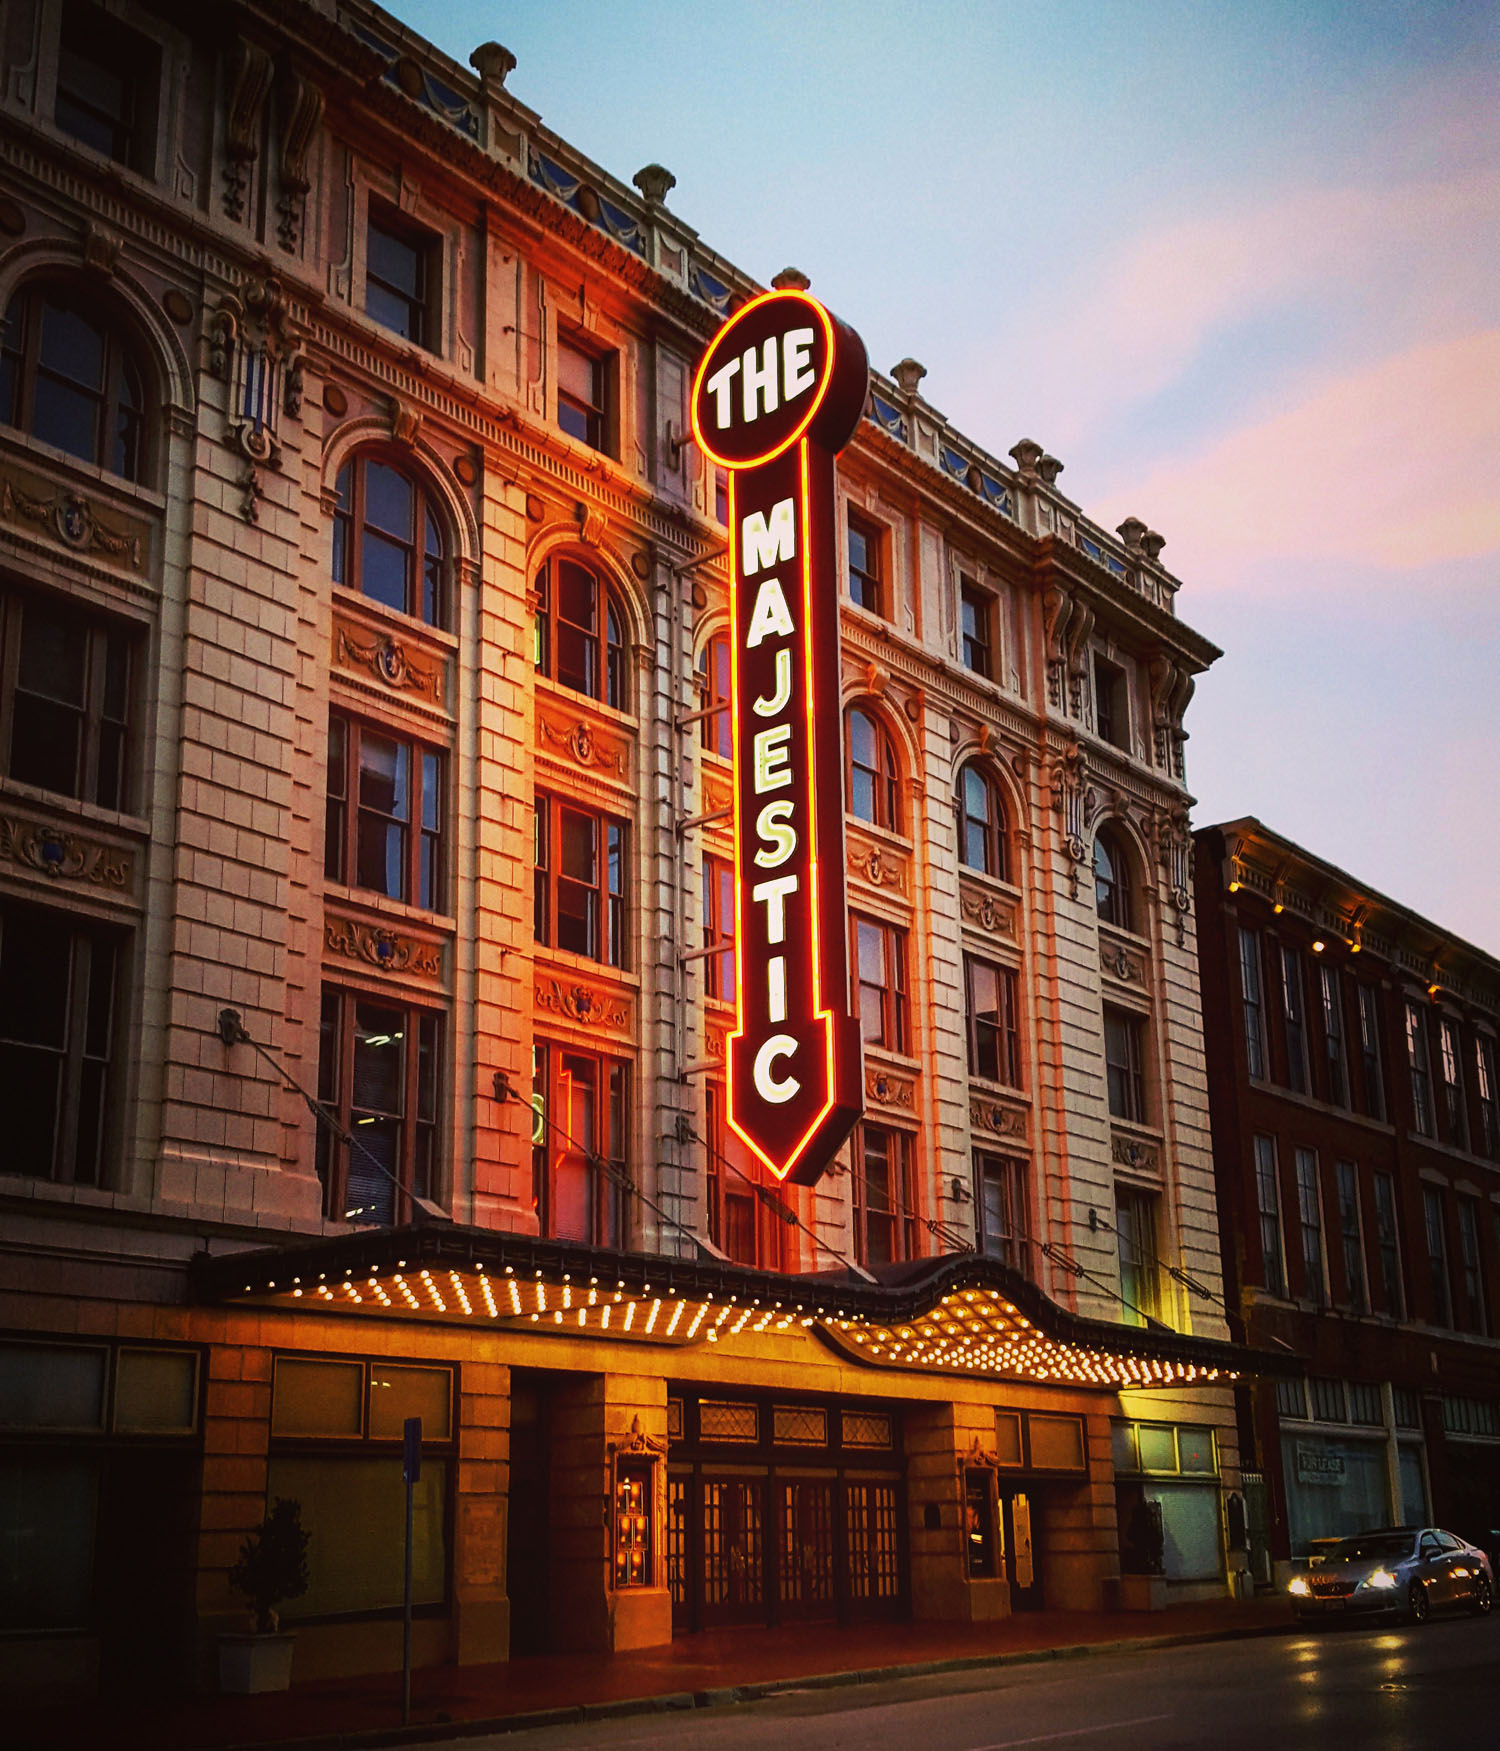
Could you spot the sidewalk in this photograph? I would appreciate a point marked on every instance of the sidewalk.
(700, 1670)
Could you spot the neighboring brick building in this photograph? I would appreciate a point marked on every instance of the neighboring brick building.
(359, 673)
(1352, 1079)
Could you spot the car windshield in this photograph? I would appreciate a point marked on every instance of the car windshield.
(1374, 1547)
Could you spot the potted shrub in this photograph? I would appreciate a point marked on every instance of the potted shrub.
(272, 1568)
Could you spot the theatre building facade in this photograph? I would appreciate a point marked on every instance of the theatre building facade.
(1352, 1074)
(367, 932)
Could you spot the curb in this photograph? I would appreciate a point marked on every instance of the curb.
(721, 1696)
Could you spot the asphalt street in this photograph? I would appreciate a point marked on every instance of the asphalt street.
(1336, 1689)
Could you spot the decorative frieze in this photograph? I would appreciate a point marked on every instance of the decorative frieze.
(386, 950)
(890, 1091)
(1134, 1152)
(1128, 965)
(583, 744)
(583, 1004)
(387, 660)
(987, 912)
(64, 856)
(999, 1119)
(70, 518)
(878, 866)
(718, 791)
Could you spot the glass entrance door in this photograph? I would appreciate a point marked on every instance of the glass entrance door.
(734, 1582)
(805, 1539)
(1017, 1508)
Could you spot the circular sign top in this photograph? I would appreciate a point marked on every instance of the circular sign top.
(779, 367)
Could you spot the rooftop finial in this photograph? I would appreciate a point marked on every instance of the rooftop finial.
(791, 280)
(654, 181)
(493, 62)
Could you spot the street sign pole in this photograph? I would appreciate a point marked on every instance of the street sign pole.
(411, 1471)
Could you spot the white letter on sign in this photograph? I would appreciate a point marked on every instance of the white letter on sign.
(774, 894)
(770, 618)
(771, 769)
(718, 387)
(760, 380)
(796, 367)
(763, 544)
(768, 1087)
(771, 823)
(777, 702)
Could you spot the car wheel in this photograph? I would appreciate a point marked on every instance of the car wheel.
(1484, 1597)
(1417, 1608)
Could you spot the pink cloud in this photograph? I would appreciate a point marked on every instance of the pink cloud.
(1394, 466)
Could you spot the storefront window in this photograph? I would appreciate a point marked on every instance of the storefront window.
(1335, 1487)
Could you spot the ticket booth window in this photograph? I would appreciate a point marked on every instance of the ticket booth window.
(979, 1524)
(633, 1526)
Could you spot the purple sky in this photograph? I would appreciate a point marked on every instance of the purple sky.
(1238, 266)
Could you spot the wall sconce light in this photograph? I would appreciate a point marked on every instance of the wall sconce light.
(1319, 946)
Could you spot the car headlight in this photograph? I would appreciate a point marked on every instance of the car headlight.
(1382, 1579)
(1298, 1586)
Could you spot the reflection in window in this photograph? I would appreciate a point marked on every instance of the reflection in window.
(398, 275)
(873, 782)
(104, 86)
(580, 632)
(716, 729)
(981, 825)
(994, 1023)
(718, 930)
(387, 542)
(1004, 1222)
(579, 888)
(68, 378)
(1112, 896)
(885, 1227)
(1124, 1058)
(1135, 1235)
(384, 827)
(880, 983)
(579, 1144)
(582, 391)
(867, 584)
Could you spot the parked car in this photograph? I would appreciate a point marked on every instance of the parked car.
(1411, 1571)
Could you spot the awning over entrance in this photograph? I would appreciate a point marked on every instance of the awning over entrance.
(962, 1314)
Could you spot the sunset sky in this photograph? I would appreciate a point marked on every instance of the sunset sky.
(1238, 266)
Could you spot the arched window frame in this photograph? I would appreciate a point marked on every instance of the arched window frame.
(1114, 886)
(716, 731)
(121, 442)
(882, 775)
(991, 830)
(426, 570)
(603, 649)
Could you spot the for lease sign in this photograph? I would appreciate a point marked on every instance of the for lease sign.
(777, 396)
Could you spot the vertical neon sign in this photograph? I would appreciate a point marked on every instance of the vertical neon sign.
(778, 394)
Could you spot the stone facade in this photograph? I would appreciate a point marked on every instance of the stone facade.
(352, 282)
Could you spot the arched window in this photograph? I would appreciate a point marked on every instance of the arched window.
(716, 733)
(1112, 896)
(580, 632)
(981, 824)
(872, 780)
(387, 540)
(68, 377)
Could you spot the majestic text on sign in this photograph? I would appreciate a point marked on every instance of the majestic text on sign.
(778, 394)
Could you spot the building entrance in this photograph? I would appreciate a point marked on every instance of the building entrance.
(1017, 1509)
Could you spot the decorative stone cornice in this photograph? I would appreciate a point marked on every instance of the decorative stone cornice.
(878, 866)
(386, 950)
(1135, 1152)
(987, 912)
(889, 1090)
(583, 1004)
(999, 1119)
(67, 516)
(387, 660)
(585, 746)
(64, 856)
(1117, 961)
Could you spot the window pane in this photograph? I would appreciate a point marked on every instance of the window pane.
(1158, 1447)
(1195, 1448)
(398, 1393)
(390, 501)
(1056, 1443)
(155, 1391)
(395, 261)
(384, 568)
(51, 1386)
(316, 1398)
(48, 1503)
(379, 1039)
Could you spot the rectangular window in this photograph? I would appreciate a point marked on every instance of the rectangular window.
(1369, 1051)
(1331, 988)
(994, 1026)
(1476, 1306)
(1253, 1001)
(65, 699)
(59, 1006)
(380, 1070)
(1294, 1016)
(583, 395)
(1291, 1399)
(400, 263)
(1000, 1194)
(1364, 1404)
(1135, 1237)
(1310, 1223)
(385, 811)
(579, 892)
(1268, 1201)
(879, 980)
(885, 1228)
(1328, 1400)
(106, 79)
(1455, 1111)
(867, 580)
(580, 1144)
(1351, 1235)
(1437, 1256)
(977, 628)
(1111, 706)
(1388, 1245)
(718, 930)
(979, 1522)
(1124, 1056)
(1484, 1073)
(1421, 1073)
(746, 1216)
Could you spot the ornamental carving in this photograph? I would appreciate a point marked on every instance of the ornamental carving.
(381, 948)
(256, 348)
(70, 518)
(877, 867)
(249, 86)
(638, 1441)
(387, 661)
(1121, 963)
(64, 856)
(1132, 1152)
(1068, 780)
(301, 105)
(978, 1458)
(718, 793)
(580, 1003)
(988, 913)
(890, 1091)
(583, 745)
(998, 1120)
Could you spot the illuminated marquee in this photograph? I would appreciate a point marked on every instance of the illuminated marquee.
(777, 396)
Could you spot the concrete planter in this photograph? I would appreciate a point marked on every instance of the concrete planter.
(249, 1664)
(1143, 1593)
